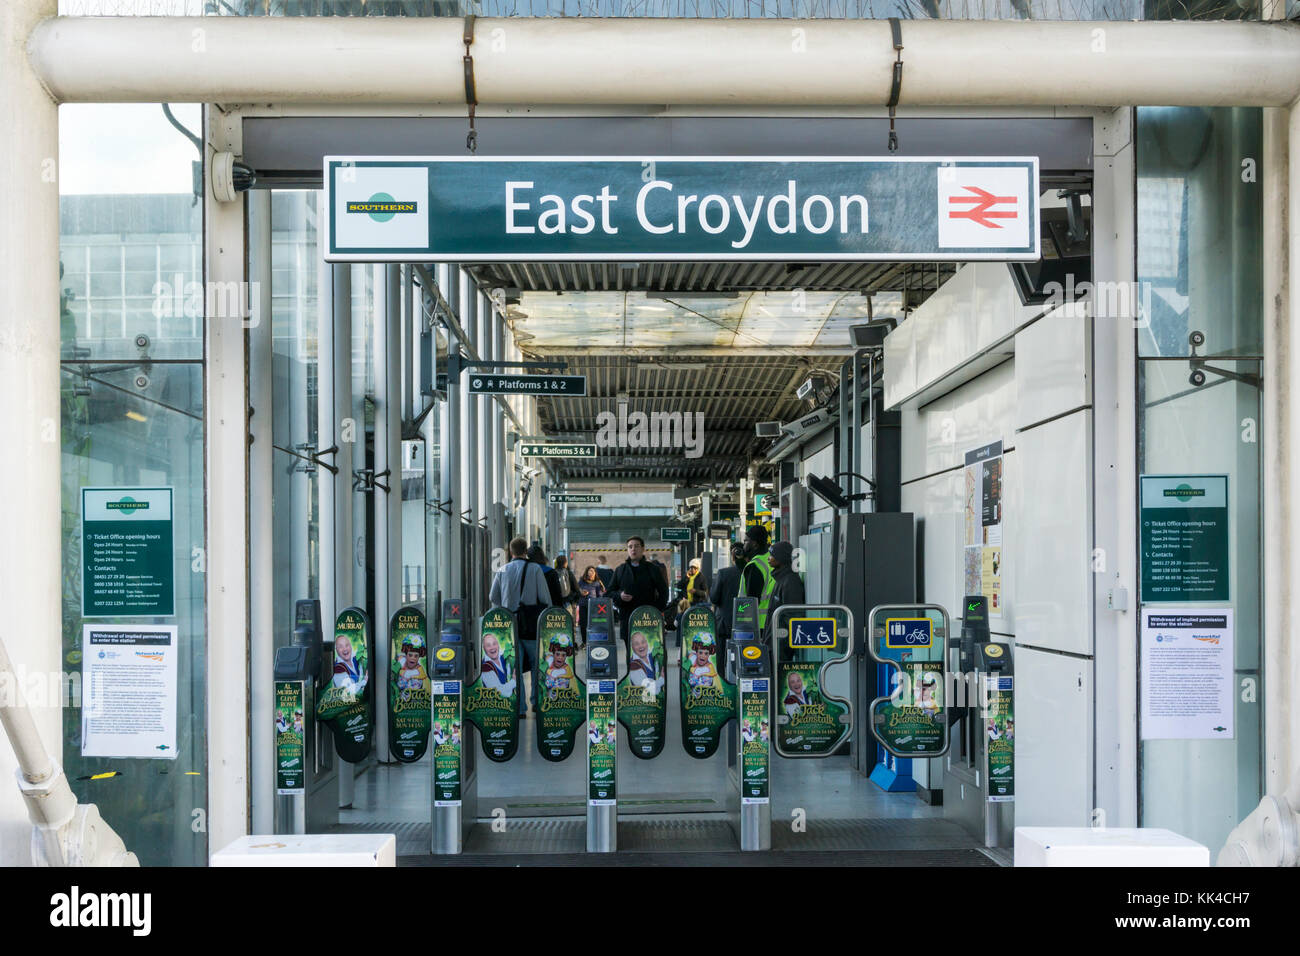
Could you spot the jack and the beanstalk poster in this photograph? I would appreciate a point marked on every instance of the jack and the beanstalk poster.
(755, 739)
(409, 699)
(290, 737)
(708, 701)
(561, 700)
(602, 743)
(492, 701)
(447, 729)
(912, 723)
(807, 721)
(1000, 729)
(346, 703)
(643, 692)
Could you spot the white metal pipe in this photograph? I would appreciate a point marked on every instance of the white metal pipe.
(31, 570)
(666, 61)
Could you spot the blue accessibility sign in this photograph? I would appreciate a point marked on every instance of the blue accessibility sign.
(814, 632)
(902, 633)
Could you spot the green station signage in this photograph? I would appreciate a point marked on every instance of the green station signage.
(1184, 538)
(776, 208)
(674, 534)
(126, 552)
(556, 449)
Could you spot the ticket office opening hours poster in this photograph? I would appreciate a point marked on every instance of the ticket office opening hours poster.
(982, 512)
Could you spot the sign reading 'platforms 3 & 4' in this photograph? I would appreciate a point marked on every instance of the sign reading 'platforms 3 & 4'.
(438, 209)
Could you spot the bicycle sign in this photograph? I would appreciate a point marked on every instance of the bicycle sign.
(818, 633)
(905, 633)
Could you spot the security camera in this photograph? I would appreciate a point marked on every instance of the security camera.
(808, 423)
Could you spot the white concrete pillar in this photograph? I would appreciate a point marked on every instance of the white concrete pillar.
(31, 567)
(225, 410)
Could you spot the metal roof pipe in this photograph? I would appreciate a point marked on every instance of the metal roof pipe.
(378, 60)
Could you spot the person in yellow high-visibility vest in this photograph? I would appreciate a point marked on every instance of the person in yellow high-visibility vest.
(757, 580)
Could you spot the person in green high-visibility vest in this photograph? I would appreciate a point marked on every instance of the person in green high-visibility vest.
(757, 580)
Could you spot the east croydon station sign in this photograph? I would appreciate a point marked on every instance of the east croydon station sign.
(486, 209)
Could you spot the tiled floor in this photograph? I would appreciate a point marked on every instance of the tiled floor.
(825, 789)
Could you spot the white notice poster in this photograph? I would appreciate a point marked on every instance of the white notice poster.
(128, 690)
(1187, 674)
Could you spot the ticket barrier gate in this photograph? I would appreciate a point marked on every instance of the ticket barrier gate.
(455, 781)
(749, 668)
(979, 779)
(306, 784)
(602, 729)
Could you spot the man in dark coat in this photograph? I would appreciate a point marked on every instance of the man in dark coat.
(637, 583)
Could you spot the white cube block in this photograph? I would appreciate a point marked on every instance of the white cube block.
(1106, 846)
(310, 849)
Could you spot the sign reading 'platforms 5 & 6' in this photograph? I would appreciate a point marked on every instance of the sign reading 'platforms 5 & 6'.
(437, 208)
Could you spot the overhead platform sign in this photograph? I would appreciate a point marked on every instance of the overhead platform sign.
(557, 449)
(528, 384)
(535, 208)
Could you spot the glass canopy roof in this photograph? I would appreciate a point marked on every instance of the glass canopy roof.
(621, 320)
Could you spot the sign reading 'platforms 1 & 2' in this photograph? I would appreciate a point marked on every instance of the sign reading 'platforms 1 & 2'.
(440, 209)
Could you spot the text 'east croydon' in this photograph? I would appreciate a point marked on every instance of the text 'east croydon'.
(662, 210)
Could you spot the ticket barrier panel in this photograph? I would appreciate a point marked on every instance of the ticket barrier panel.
(306, 788)
(749, 667)
(913, 720)
(812, 718)
(455, 782)
(980, 772)
(601, 654)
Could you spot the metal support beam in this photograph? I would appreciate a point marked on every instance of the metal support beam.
(666, 62)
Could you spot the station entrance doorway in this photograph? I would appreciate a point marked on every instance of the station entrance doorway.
(449, 359)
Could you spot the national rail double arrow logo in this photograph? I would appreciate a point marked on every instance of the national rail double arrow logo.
(981, 205)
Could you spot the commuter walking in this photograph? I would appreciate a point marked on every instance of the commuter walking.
(569, 592)
(520, 587)
(637, 583)
(589, 587)
(604, 571)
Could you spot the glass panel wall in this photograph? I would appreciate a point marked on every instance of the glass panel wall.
(132, 312)
(1199, 250)
(295, 272)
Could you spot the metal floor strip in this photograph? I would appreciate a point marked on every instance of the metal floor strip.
(688, 835)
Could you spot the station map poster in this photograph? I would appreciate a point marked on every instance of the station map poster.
(982, 543)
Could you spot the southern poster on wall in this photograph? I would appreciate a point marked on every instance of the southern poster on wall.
(982, 542)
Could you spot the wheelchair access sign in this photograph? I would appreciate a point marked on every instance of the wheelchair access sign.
(816, 633)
